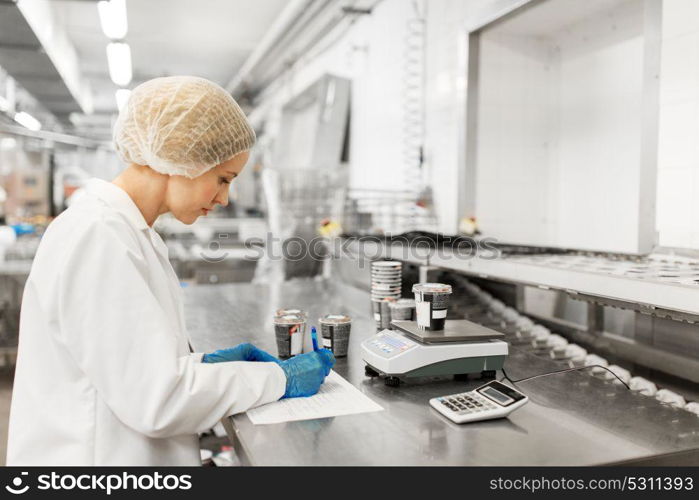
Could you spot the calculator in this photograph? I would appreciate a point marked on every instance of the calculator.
(492, 400)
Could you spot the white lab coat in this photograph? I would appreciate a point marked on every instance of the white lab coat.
(104, 374)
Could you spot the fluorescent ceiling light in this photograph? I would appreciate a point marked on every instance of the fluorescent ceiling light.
(28, 121)
(113, 18)
(122, 96)
(119, 59)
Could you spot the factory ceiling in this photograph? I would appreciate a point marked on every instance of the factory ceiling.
(23, 57)
(208, 38)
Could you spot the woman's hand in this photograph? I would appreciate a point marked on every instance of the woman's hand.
(242, 352)
(305, 373)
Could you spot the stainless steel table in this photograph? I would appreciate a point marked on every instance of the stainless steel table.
(572, 418)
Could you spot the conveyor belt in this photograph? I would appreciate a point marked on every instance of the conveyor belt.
(658, 285)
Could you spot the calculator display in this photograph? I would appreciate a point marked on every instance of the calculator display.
(497, 396)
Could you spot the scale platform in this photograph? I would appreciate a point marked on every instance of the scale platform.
(459, 330)
(462, 348)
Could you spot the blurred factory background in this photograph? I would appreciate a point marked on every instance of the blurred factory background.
(565, 130)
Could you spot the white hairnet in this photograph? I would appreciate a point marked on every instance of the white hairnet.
(181, 125)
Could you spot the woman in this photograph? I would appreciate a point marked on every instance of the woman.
(104, 371)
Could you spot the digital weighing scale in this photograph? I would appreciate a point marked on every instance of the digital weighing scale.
(460, 349)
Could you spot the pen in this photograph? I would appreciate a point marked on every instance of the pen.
(314, 338)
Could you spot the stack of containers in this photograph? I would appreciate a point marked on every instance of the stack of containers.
(386, 286)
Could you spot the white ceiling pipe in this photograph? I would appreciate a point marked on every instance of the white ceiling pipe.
(287, 17)
(54, 137)
(300, 42)
(303, 40)
(58, 47)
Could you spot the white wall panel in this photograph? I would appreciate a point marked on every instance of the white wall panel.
(678, 145)
(371, 54)
(559, 127)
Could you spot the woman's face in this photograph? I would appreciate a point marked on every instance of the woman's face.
(187, 199)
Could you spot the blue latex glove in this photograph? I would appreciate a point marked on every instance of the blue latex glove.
(328, 358)
(306, 372)
(242, 352)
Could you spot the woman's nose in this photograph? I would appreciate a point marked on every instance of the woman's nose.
(222, 197)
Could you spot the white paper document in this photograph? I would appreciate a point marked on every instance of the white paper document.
(336, 397)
